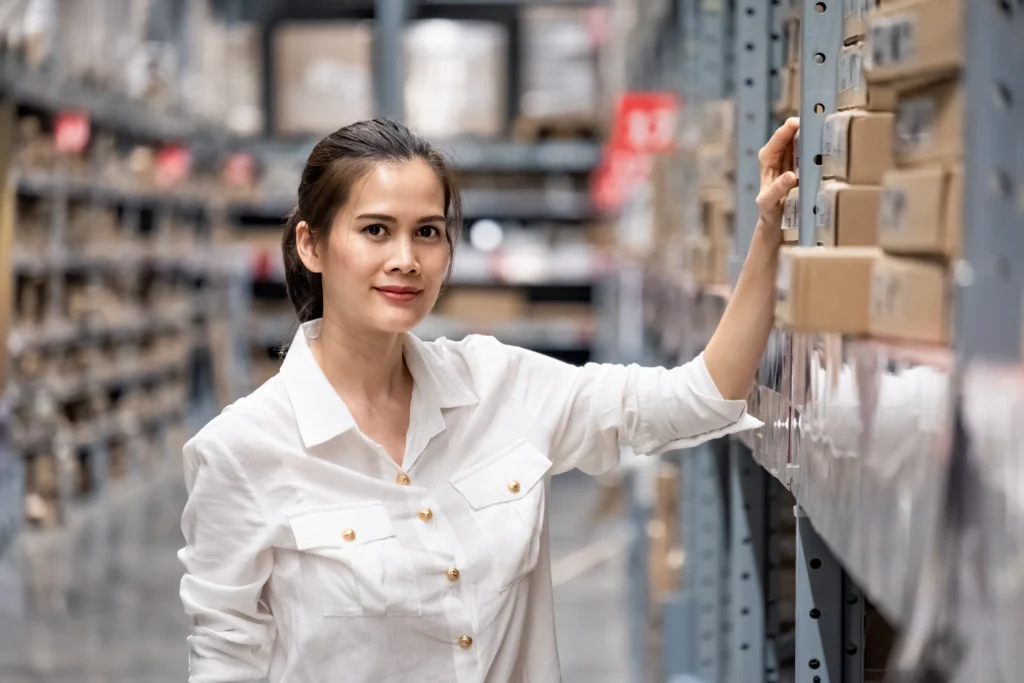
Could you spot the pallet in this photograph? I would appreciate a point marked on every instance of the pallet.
(560, 127)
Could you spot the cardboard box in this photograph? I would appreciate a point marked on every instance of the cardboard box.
(914, 42)
(857, 146)
(788, 102)
(930, 125)
(791, 27)
(718, 121)
(921, 211)
(716, 164)
(910, 300)
(323, 76)
(823, 289)
(855, 13)
(847, 215)
(853, 90)
(484, 304)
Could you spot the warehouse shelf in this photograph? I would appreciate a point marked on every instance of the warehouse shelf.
(23, 338)
(49, 184)
(106, 109)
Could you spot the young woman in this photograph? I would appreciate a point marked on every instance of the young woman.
(375, 513)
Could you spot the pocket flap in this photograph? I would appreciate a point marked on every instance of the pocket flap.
(341, 528)
(506, 478)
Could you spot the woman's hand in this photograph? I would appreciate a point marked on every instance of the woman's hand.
(777, 179)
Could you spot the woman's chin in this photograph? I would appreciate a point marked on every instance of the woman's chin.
(400, 322)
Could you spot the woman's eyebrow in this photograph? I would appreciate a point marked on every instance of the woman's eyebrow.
(391, 219)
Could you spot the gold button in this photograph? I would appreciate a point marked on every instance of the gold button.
(349, 534)
(426, 514)
(402, 479)
(465, 642)
(513, 486)
(453, 574)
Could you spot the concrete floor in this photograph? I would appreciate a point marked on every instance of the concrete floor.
(98, 602)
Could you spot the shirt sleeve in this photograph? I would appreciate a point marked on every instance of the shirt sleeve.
(598, 409)
(228, 559)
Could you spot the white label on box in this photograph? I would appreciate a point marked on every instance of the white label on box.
(892, 217)
(856, 67)
(914, 122)
(887, 294)
(843, 71)
(784, 278)
(828, 137)
(892, 40)
(826, 215)
(791, 212)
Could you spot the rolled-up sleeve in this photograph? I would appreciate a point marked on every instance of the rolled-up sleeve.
(599, 409)
(228, 559)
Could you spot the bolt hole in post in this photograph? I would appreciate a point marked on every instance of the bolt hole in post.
(1004, 96)
(815, 563)
(1001, 184)
(814, 664)
(819, 57)
(817, 160)
(851, 649)
(1006, 6)
(819, 108)
(815, 613)
(820, 7)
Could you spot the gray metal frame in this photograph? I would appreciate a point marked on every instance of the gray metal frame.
(821, 36)
(707, 557)
(991, 274)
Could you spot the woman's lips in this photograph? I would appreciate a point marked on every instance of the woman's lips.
(398, 294)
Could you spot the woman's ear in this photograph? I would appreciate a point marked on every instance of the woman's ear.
(306, 245)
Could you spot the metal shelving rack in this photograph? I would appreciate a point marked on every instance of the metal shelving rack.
(948, 521)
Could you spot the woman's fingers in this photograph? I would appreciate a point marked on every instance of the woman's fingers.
(773, 153)
(769, 201)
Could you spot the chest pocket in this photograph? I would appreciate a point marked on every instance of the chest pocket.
(506, 496)
(361, 567)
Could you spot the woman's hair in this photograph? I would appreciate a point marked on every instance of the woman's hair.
(333, 167)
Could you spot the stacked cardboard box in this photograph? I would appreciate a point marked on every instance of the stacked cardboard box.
(787, 102)
(716, 164)
(917, 50)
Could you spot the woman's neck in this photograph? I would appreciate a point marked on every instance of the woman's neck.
(365, 367)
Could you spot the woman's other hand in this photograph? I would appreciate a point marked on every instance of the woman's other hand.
(777, 179)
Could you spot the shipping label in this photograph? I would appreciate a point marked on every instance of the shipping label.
(892, 40)
(887, 294)
(915, 120)
(849, 70)
(791, 212)
(892, 217)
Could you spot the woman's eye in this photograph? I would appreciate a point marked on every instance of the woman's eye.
(429, 231)
(374, 230)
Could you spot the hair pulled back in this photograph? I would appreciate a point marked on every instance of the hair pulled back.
(336, 163)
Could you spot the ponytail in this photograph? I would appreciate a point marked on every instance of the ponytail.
(304, 287)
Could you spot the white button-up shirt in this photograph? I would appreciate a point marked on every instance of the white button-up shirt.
(312, 557)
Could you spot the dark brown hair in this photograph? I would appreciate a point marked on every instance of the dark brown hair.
(333, 167)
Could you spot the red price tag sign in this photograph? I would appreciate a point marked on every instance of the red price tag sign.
(618, 173)
(173, 164)
(71, 132)
(646, 122)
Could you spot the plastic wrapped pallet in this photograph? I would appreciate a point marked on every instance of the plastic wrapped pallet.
(559, 63)
(323, 76)
(455, 78)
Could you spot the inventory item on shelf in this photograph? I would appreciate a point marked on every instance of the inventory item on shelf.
(791, 217)
(930, 125)
(559, 66)
(824, 289)
(323, 76)
(857, 146)
(921, 211)
(855, 13)
(910, 300)
(913, 42)
(847, 215)
(852, 89)
(455, 78)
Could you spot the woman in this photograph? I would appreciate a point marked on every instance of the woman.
(376, 512)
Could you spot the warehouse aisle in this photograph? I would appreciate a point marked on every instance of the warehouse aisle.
(103, 607)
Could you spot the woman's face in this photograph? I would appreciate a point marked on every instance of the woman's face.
(387, 253)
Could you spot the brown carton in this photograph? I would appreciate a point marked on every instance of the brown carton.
(914, 42)
(715, 165)
(855, 13)
(484, 304)
(788, 102)
(717, 118)
(921, 211)
(909, 300)
(857, 146)
(853, 90)
(792, 30)
(930, 125)
(823, 289)
(847, 215)
(323, 76)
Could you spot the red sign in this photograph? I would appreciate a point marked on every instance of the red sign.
(173, 164)
(646, 122)
(71, 132)
(239, 171)
(618, 173)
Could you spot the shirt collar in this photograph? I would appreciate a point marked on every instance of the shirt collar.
(320, 412)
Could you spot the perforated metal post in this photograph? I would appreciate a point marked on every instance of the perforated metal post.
(708, 562)
(747, 566)
(753, 87)
(821, 35)
(713, 57)
(819, 608)
(990, 276)
(390, 57)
